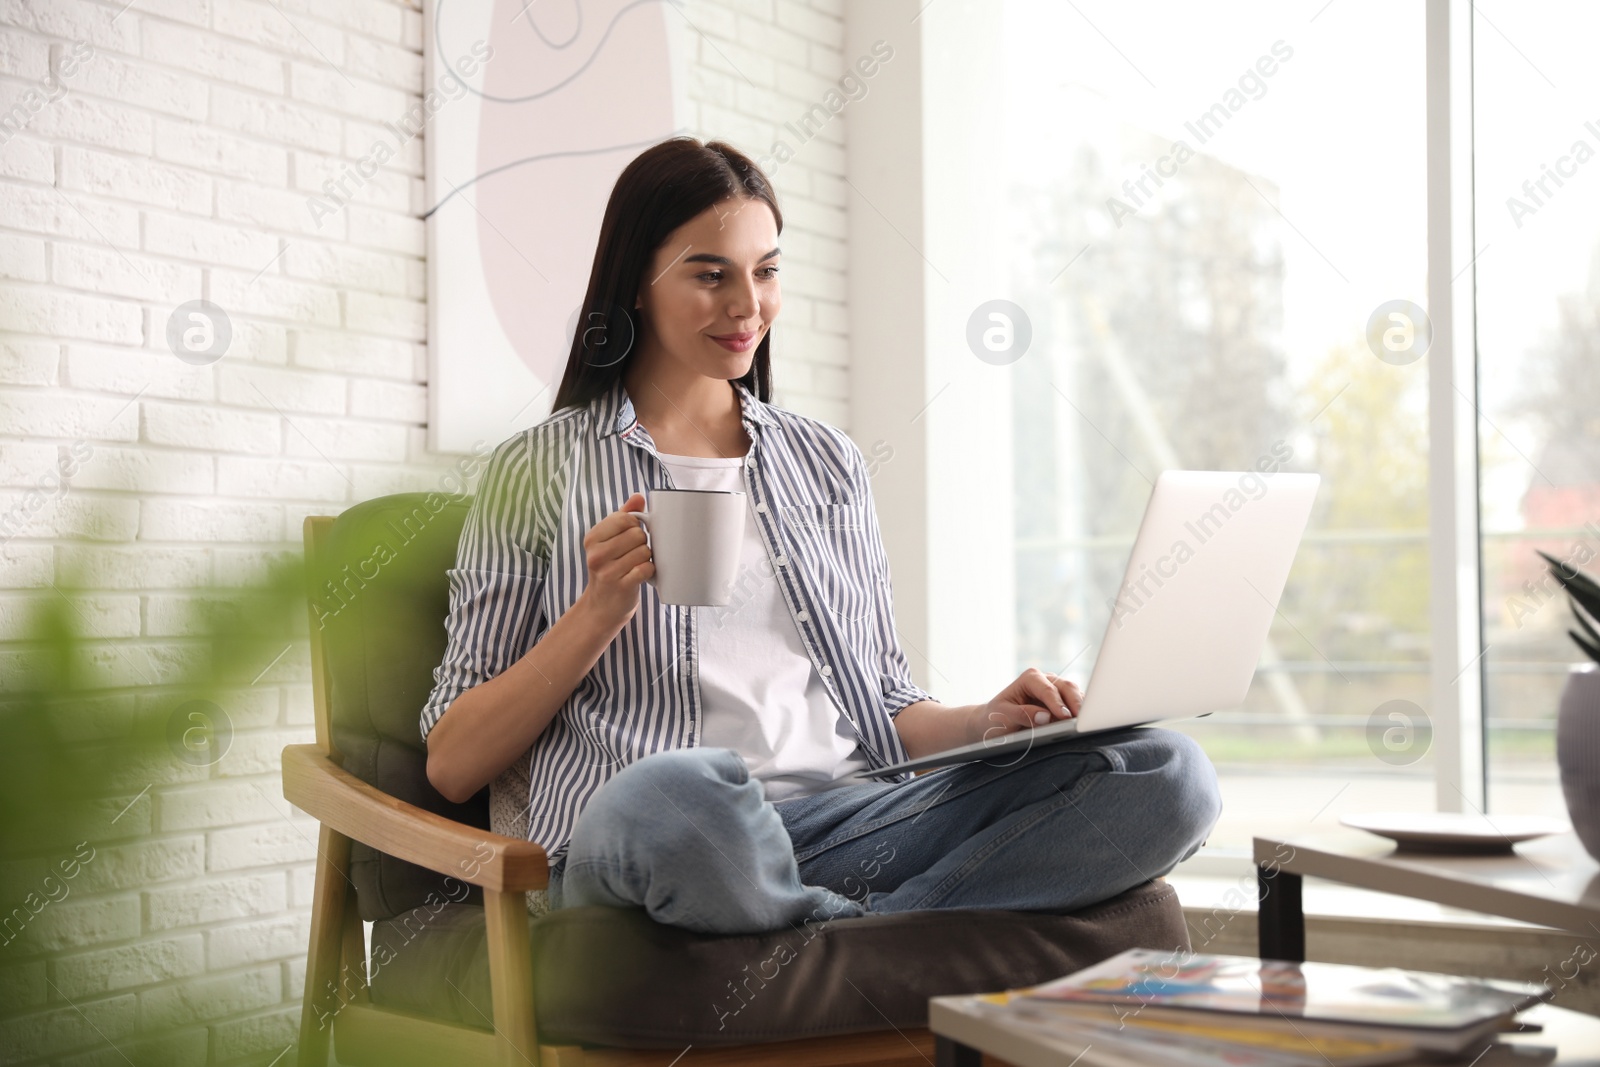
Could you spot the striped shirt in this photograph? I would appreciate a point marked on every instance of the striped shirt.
(521, 564)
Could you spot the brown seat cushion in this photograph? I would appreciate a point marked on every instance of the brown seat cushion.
(611, 976)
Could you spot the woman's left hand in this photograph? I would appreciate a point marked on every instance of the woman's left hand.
(1034, 699)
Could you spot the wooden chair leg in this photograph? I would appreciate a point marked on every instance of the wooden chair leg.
(321, 1000)
(511, 977)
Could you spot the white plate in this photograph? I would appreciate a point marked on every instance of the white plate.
(1445, 831)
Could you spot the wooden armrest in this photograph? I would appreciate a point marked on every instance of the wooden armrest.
(342, 802)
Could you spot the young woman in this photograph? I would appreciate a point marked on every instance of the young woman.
(681, 756)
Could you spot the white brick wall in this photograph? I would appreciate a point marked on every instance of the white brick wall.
(175, 166)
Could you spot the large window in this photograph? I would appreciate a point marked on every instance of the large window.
(1206, 222)
(1536, 110)
(1216, 221)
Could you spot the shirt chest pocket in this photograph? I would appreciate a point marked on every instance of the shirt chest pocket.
(831, 546)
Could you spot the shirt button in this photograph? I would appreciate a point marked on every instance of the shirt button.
(762, 507)
(781, 560)
(826, 670)
(803, 616)
(750, 461)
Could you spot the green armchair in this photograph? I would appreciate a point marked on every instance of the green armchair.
(458, 971)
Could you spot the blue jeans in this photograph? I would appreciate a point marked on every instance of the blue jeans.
(689, 836)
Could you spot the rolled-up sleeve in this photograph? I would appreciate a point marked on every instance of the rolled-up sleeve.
(497, 579)
(894, 673)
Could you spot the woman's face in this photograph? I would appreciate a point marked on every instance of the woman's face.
(711, 292)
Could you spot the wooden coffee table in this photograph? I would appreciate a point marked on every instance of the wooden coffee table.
(1551, 882)
(962, 1036)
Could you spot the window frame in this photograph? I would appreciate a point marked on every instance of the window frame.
(1459, 672)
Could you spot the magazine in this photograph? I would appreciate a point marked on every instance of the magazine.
(1150, 1041)
(1432, 1011)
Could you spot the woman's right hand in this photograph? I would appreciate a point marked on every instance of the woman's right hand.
(619, 560)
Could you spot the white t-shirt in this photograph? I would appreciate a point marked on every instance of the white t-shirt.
(760, 693)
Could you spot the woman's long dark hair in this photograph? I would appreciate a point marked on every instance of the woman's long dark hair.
(666, 186)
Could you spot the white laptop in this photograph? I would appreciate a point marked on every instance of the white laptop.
(1186, 630)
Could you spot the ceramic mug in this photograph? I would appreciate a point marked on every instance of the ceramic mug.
(695, 537)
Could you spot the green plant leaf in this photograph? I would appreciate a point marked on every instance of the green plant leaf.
(1572, 580)
(1582, 593)
(1587, 627)
(1592, 650)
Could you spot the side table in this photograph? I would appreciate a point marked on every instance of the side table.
(1551, 881)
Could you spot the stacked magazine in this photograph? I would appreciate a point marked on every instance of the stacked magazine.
(1144, 1007)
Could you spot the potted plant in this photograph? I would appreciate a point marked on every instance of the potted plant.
(1578, 720)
